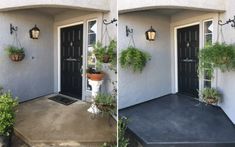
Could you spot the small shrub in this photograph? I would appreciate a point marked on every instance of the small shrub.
(7, 113)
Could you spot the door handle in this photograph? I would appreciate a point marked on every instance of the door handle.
(188, 60)
(71, 59)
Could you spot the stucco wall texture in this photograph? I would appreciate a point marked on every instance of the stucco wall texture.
(155, 80)
(33, 76)
(226, 81)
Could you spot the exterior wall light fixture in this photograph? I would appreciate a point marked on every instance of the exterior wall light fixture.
(150, 34)
(34, 32)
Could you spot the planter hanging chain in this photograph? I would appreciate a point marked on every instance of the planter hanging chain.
(16, 41)
(106, 37)
(131, 40)
(220, 31)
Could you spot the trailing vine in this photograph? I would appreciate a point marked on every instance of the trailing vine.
(218, 55)
(134, 59)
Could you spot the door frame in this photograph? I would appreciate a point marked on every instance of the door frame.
(176, 50)
(59, 53)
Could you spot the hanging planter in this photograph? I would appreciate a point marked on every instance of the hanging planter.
(218, 55)
(15, 54)
(134, 59)
(105, 54)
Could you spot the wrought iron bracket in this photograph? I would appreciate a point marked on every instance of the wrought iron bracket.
(13, 29)
(128, 31)
(227, 22)
(105, 21)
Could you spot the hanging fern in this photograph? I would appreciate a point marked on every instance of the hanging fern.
(218, 55)
(134, 59)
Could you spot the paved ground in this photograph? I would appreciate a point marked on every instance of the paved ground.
(43, 122)
(17, 142)
(178, 120)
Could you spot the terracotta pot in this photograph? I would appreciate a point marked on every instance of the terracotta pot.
(17, 57)
(95, 77)
(106, 59)
(211, 101)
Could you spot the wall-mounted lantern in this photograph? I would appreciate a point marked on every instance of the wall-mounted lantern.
(34, 32)
(150, 34)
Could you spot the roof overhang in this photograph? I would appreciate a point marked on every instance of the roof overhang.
(200, 5)
(91, 5)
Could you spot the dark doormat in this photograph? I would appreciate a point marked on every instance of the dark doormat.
(62, 100)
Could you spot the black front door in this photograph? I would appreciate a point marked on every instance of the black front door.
(188, 48)
(71, 60)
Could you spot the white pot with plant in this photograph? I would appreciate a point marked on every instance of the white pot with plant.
(95, 78)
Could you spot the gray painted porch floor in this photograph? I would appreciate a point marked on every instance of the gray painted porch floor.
(178, 120)
(43, 122)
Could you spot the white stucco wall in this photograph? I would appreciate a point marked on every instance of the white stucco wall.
(155, 80)
(137, 5)
(102, 5)
(226, 81)
(29, 78)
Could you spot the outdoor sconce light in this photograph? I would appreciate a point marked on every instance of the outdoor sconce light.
(150, 34)
(34, 32)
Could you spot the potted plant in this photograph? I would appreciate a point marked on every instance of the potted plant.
(105, 54)
(218, 55)
(95, 74)
(105, 102)
(210, 96)
(134, 59)
(7, 118)
(15, 54)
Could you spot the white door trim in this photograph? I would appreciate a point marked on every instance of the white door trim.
(176, 50)
(59, 53)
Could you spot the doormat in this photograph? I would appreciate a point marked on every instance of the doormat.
(62, 100)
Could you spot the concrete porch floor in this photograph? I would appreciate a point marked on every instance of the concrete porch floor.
(178, 121)
(43, 122)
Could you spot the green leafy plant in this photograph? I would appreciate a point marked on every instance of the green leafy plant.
(210, 95)
(122, 126)
(15, 54)
(105, 102)
(14, 50)
(7, 113)
(105, 54)
(134, 59)
(218, 55)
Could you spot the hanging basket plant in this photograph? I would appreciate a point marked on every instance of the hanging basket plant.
(105, 54)
(134, 59)
(218, 55)
(15, 54)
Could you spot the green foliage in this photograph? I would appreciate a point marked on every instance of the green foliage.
(122, 126)
(134, 59)
(96, 70)
(104, 99)
(14, 50)
(210, 93)
(7, 113)
(218, 55)
(107, 53)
